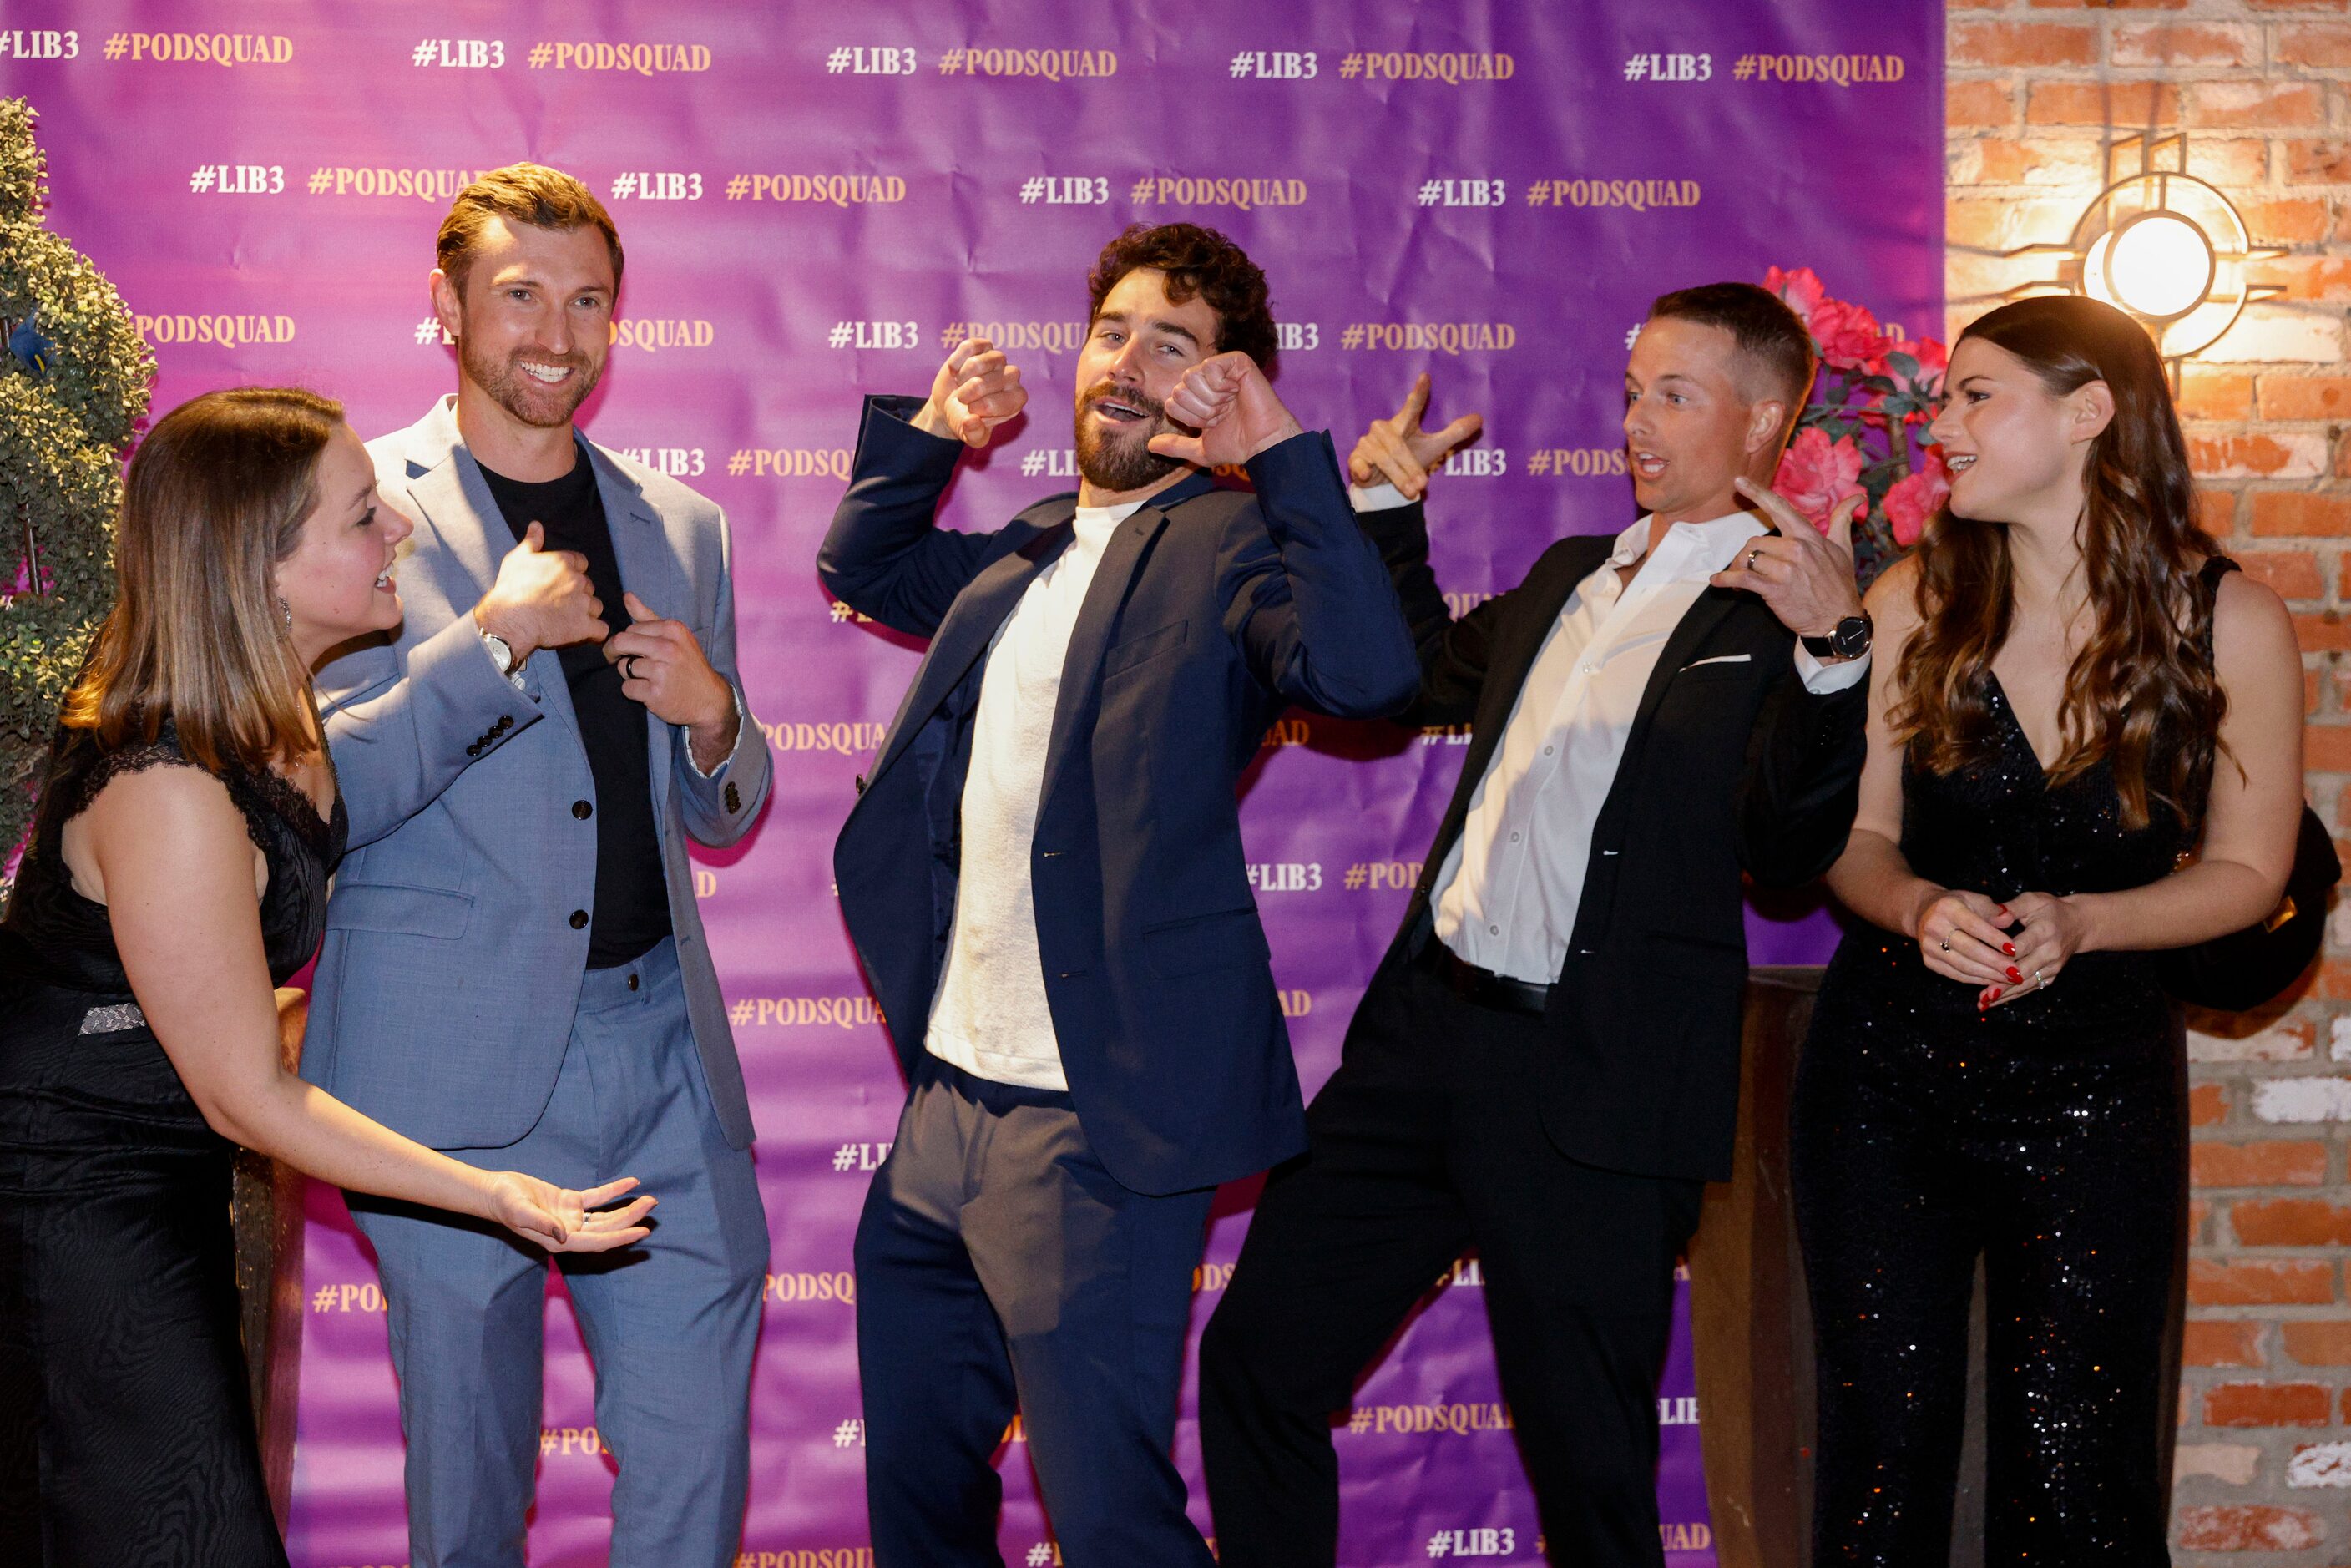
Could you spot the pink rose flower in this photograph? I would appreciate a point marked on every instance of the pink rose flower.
(1816, 473)
(1849, 336)
(1917, 495)
(1800, 289)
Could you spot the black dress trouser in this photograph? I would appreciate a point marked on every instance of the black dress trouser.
(1425, 1141)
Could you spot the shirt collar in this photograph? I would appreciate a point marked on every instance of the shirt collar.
(1094, 525)
(1689, 550)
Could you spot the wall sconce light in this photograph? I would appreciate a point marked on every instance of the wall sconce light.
(2162, 245)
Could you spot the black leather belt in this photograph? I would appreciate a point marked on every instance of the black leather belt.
(1484, 986)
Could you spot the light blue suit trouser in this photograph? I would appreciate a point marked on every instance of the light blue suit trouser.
(670, 1324)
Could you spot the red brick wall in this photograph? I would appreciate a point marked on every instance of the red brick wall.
(2037, 87)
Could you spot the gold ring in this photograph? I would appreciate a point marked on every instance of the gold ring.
(1751, 555)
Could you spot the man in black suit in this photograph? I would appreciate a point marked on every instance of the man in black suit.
(1044, 878)
(1546, 1063)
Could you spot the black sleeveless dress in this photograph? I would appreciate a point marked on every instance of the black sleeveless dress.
(126, 1432)
(2050, 1134)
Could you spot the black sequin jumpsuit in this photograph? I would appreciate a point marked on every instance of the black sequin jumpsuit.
(2048, 1134)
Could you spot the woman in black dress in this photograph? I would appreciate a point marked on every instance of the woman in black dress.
(176, 873)
(2074, 691)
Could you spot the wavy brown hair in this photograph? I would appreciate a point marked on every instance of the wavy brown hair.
(215, 498)
(2141, 695)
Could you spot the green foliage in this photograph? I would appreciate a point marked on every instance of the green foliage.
(63, 435)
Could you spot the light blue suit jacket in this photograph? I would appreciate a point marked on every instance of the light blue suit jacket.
(451, 968)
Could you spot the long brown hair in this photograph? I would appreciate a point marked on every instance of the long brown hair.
(214, 500)
(2140, 696)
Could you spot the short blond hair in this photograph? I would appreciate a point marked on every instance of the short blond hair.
(529, 193)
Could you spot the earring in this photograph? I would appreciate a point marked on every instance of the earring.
(286, 610)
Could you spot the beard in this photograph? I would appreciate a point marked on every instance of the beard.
(1118, 459)
(513, 389)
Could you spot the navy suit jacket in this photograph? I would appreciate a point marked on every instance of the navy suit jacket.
(1210, 612)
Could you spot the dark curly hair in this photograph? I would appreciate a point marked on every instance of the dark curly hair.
(1199, 263)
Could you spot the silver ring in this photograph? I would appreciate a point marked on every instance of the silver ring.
(2039, 981)
(1947, 944)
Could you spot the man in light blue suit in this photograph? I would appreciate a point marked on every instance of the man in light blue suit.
(514, 969)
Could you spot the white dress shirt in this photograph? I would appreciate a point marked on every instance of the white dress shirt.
(1506, 897)
(990, 1016)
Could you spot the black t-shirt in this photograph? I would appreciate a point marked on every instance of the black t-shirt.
(632, 904)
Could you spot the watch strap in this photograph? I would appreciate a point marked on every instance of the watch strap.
(1854, 630)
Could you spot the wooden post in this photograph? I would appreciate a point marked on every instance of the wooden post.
(1750, 1329)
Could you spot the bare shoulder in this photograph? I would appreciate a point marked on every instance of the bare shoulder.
(162, 806)
(1892, 601)
(2250, 626)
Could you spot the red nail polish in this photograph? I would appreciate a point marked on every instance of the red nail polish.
(1995, 994)
(2015, 975)
(2010, 949)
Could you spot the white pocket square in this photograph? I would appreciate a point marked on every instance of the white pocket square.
(1719, 659)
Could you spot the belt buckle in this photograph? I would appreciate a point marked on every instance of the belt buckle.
(112, 1018)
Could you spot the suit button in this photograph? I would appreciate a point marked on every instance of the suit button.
(733, 799)
(474, 750)
(861, 783)
(582, 810)
(632, 982)
(506, 723)
(578, 919)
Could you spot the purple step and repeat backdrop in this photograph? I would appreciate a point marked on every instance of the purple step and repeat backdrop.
(818, 200)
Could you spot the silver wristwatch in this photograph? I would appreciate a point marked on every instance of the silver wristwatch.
(501, 652)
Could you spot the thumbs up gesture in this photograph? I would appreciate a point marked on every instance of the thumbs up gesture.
(1227, 400)
(541, 598)
(975, 389)
(1803, 574)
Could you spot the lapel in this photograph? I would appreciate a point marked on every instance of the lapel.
(1090, 638)
(1500, 692)
(972, 620)
(1690, 633)
(454, 501)
(648, 561)
(1530, 632)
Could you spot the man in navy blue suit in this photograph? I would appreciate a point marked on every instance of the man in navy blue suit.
(1044, 880)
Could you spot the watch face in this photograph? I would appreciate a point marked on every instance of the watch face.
(1851, 638)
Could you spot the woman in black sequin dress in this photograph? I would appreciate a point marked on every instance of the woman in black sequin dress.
(177, 872)
(1994, 1068)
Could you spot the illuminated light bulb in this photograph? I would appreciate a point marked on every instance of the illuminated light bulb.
(2159, 265)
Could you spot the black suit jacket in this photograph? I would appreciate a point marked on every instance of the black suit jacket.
(1729, 766)
(1209, 611)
